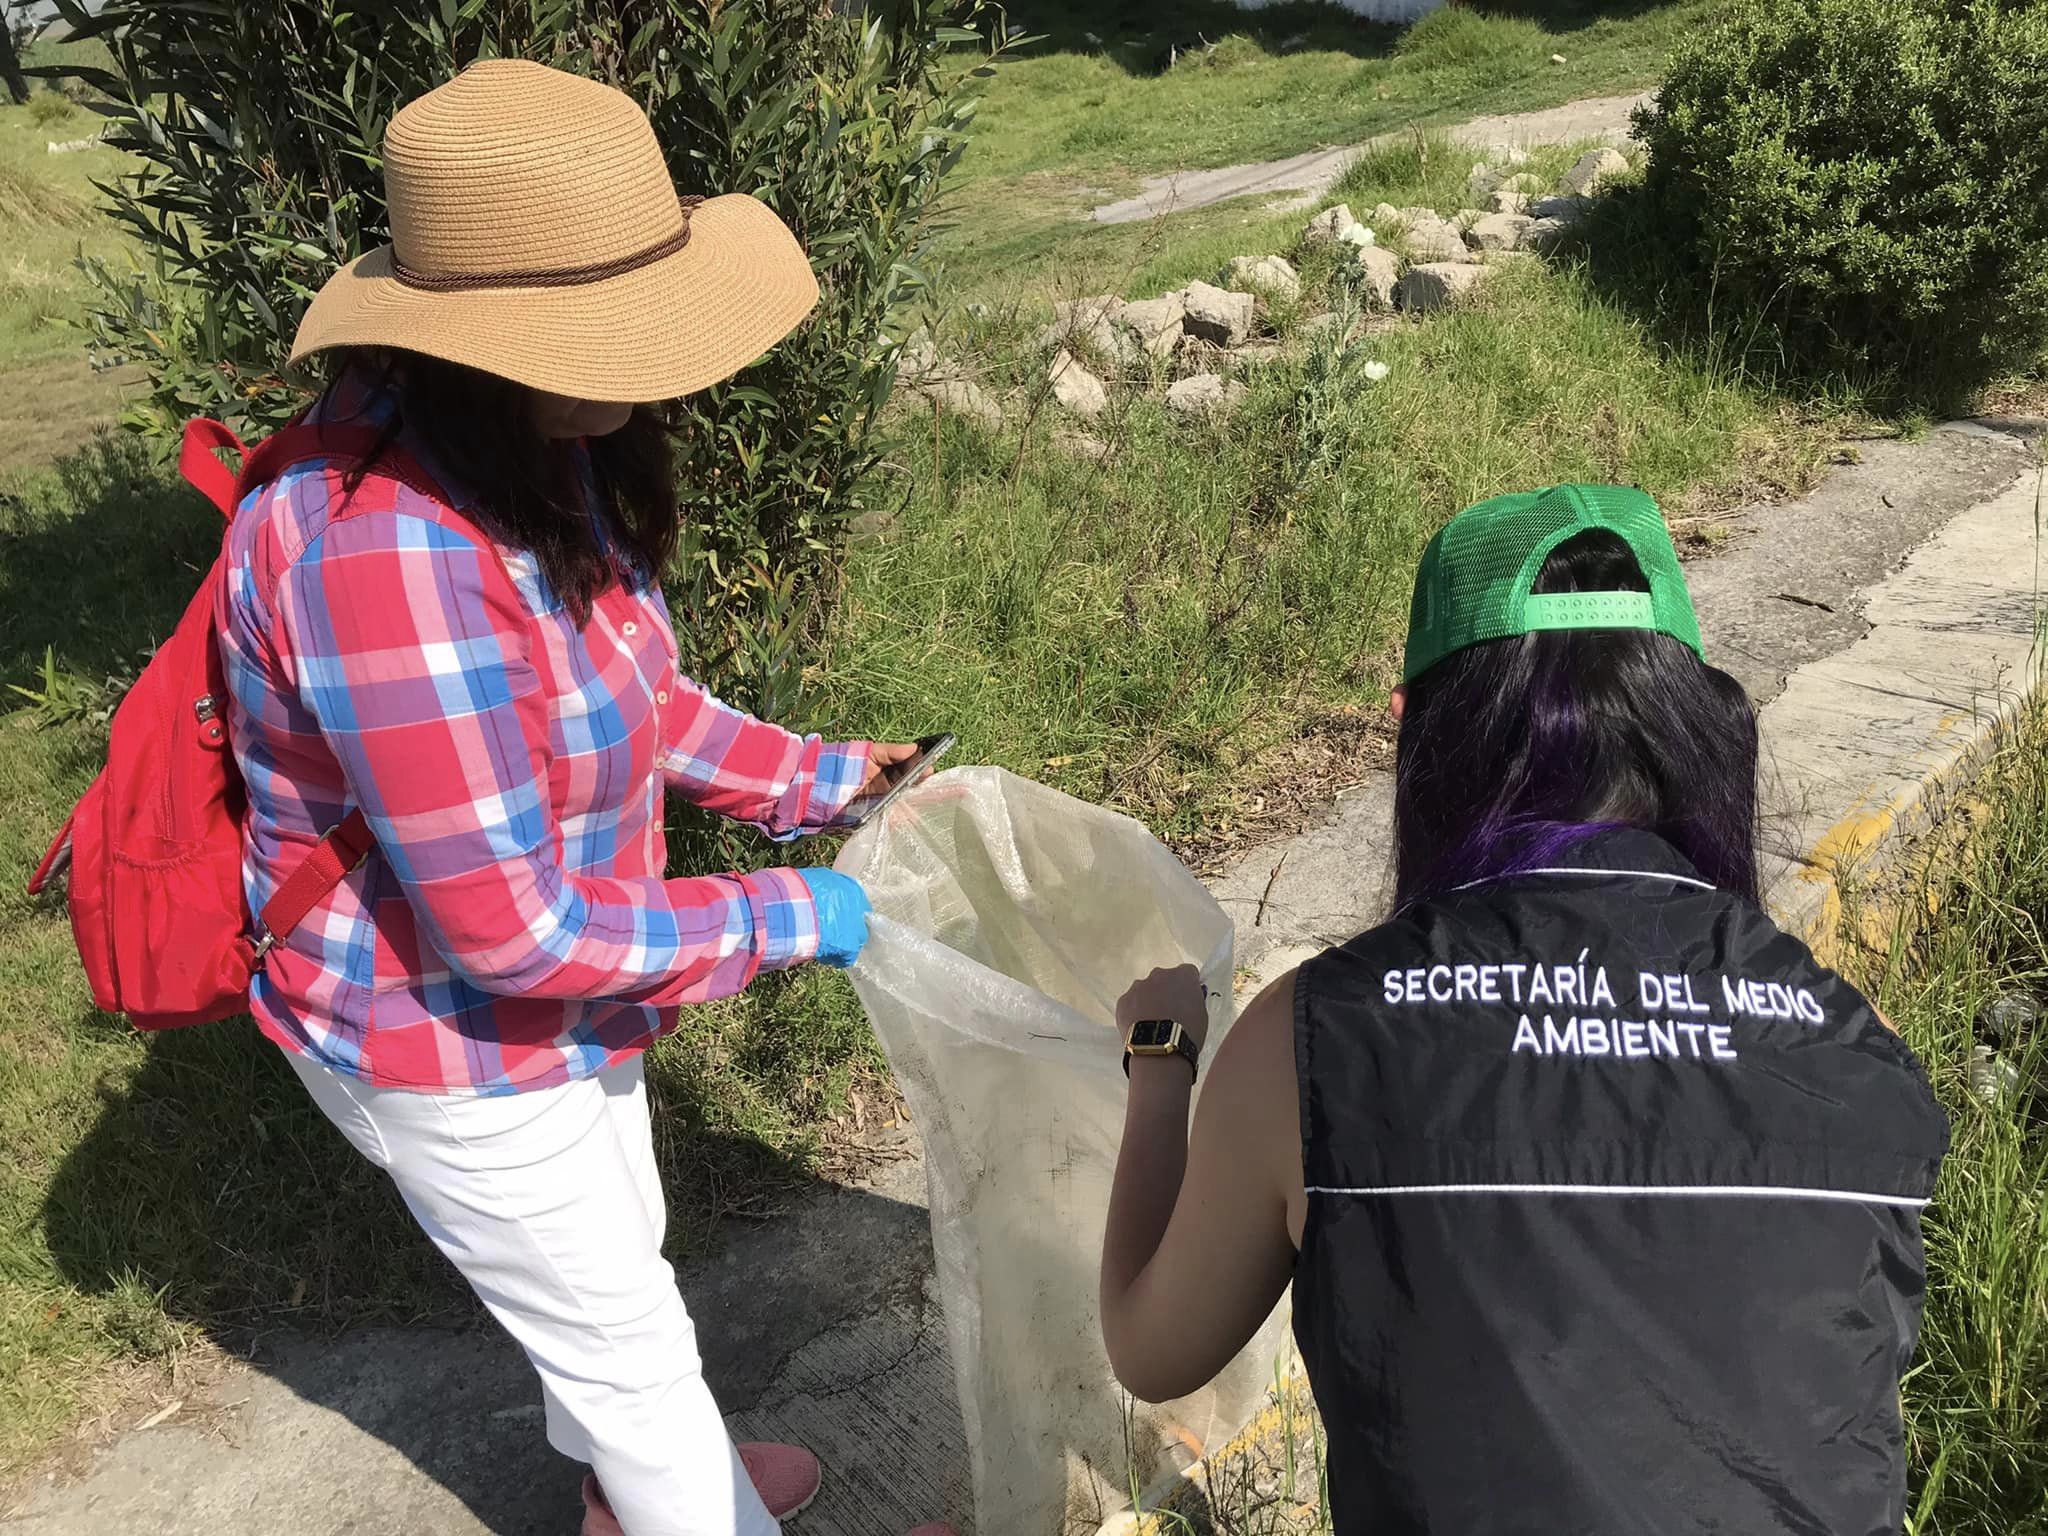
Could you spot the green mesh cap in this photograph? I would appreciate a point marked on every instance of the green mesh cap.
(1473, 583)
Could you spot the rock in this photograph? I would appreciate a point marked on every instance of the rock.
(1508, 202)
(1078, 316)
(1543, 235)
(1438, 285)
(1083, 446)
(1378, 269)
(1525, 181)
(917, 357)
(1566, 210)
(1498, 232)
(1217, 315)
(1595, 169)
(1254, 354)
(1434, 239)
(1154, 324)
(1328, 226)
(963, 397)
(1481, 180)
(1316, 324)
(1272, 276)
(1204, 396)
(1076, 388)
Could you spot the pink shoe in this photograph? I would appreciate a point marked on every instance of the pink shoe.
(786, 1477)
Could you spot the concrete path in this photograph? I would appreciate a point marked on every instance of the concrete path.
(1884, 622)
(1310, 175)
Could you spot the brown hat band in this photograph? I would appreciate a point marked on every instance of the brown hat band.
(549, 277)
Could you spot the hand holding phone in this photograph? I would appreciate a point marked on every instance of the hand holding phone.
(898, 777)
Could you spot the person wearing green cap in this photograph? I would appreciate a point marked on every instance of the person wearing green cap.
(1599, 1196)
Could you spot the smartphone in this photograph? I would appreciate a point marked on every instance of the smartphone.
(929, 750)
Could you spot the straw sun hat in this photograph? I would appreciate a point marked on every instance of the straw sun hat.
(536, 235)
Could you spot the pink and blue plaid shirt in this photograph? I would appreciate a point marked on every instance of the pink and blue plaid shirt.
(513, 928)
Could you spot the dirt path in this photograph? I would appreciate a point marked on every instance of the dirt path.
(1308, 176)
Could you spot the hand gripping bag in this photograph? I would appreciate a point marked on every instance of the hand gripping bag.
(1008, 919)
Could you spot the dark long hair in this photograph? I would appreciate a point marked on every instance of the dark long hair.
(1514, 750)
(478, 429)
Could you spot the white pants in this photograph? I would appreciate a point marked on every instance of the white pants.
(550, 1204)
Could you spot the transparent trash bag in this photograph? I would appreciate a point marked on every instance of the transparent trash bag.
(1008, 920)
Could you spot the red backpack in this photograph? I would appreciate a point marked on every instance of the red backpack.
(154, 848)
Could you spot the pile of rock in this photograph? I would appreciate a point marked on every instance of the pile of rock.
(1416, 259)
(1412, 260)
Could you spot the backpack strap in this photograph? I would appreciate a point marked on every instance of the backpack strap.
(330, 861)
(343, 849)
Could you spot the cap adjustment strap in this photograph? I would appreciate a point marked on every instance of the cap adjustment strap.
(1588, 610)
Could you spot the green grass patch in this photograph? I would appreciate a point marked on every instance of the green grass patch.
(1080, 118)
(1974, 936)
(48, 219)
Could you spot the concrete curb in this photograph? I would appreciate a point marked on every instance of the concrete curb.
(1865, 745)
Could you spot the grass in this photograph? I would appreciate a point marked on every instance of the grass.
(1074, 122)
(1150, 631)
(47, 221)
(1974, 932)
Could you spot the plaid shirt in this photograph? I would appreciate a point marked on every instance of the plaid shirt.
(513, 928)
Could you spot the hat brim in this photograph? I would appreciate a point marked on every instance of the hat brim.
(666, 329)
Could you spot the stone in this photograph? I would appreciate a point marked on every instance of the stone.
(1566, 210)
(1438, 284)
(1328, 226)
(1544, 235)
(1217, 315)
(1387, 213)
(1525, 181)
(1076, 388)
(1078, 316)
(1498, 232)
(1434, 239)
(1315, 324)
(1481, 180)
(1378, 270)
(1204, 397)
(918, 356)
(1595, 169)
(963, 397)
(1504, 201)
(1084, 446)
(1155, 324)
(1254, 354)
(1272, 276)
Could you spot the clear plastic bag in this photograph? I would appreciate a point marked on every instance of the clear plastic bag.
(1008, 920)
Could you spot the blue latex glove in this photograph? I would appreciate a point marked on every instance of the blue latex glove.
(842, 916)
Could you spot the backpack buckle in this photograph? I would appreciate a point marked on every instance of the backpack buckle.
(266, 941)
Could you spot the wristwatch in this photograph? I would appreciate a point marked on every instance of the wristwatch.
(1162, 1037)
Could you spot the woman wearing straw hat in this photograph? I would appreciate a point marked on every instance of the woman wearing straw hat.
(445, 623)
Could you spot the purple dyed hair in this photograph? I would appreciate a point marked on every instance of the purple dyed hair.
(1514, 751)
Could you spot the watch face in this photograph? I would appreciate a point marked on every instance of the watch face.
(1152, 1035)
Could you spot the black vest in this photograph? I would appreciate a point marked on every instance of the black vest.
(1613, 1215)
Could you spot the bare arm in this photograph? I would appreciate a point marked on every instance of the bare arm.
(1200, 1242)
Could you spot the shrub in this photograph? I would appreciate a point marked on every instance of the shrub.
(1871, 177)
(259, 127)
